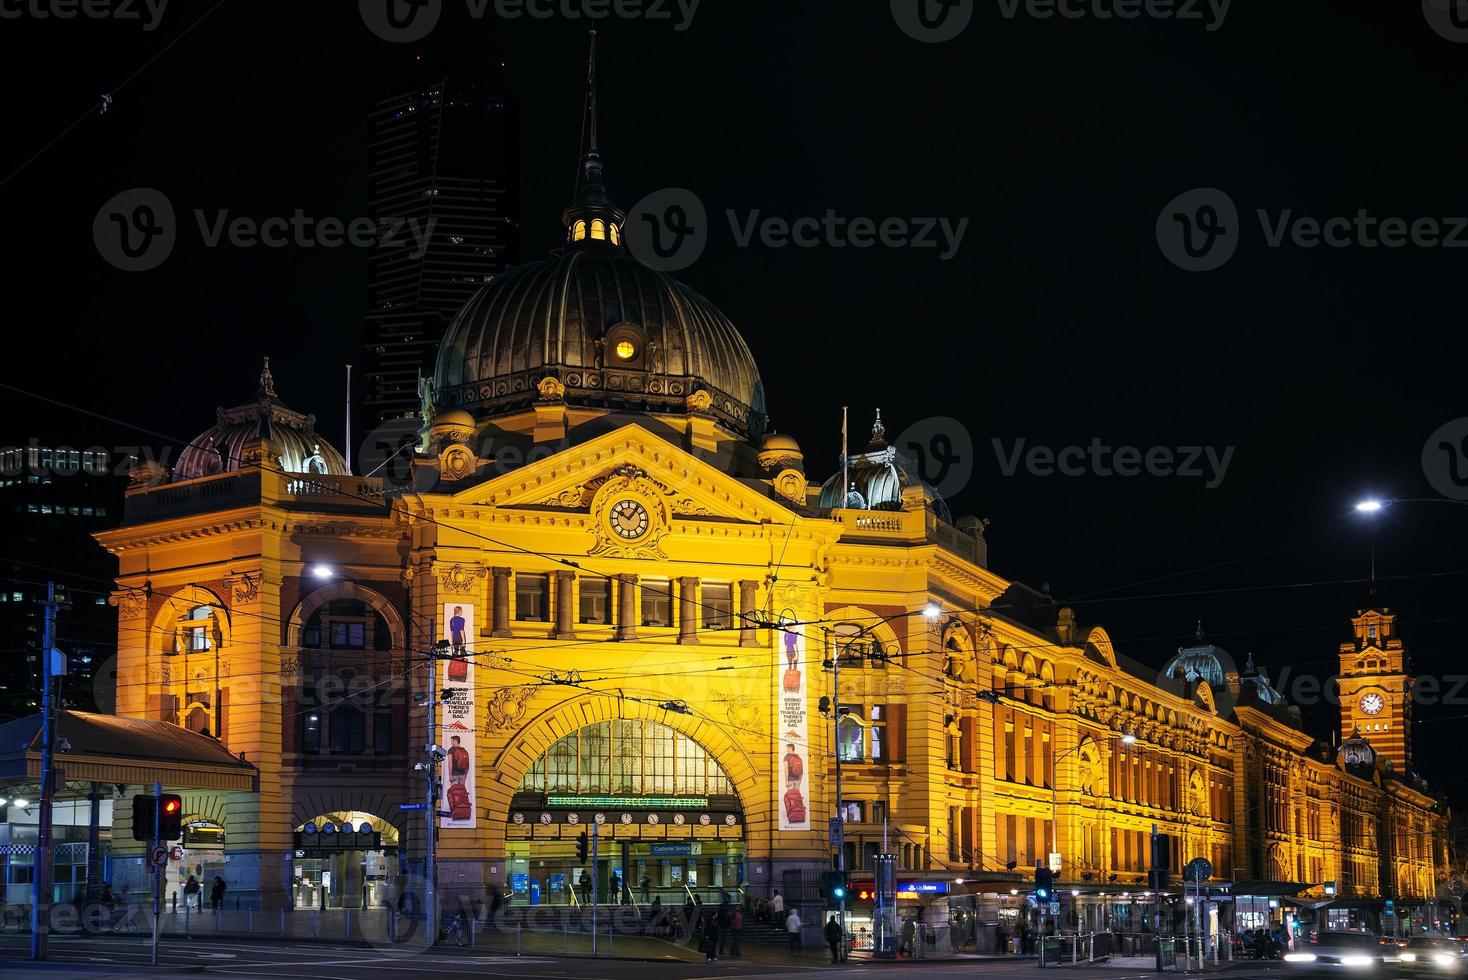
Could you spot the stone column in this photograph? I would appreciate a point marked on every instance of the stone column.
(565, 606)
(501, 601)
(688, 610)
(748, 633)
(626, 607)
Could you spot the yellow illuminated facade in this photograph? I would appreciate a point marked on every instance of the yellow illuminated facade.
(634, 598)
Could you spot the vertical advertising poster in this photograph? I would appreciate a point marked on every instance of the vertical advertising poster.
(456, 717)
(793, 787)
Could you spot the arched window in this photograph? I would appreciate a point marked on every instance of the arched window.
(598, 230)
(616, 233)
(578, 231)
(199, 635)
(346, 624)
(627, 757)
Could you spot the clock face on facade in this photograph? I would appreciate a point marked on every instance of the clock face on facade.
(1372, 703)
(629, 519)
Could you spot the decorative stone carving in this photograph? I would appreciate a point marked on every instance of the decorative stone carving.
(742, 711)
(551, 389)
(456, 463)
(687, 506)
(246, 587)
(130, 604)
(699, 401)
(460, 580)
(791, 484)
(573, 499)
(630, 483)
(507, 708)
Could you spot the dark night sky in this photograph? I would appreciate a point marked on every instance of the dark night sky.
(1059, 321)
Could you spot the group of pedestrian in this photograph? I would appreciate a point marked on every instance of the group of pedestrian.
(723, 926)
(194, 893)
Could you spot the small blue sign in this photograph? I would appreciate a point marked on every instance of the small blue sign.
(672, 850)
(412, 806)
(924, 887)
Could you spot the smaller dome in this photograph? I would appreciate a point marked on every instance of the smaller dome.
(774, 441)
(878, 475)
(453, 418)
(1196, 663)
(291, 436)
(778, 451)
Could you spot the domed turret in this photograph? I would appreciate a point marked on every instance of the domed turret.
(615, 333)
(877, 477)
(290, 438)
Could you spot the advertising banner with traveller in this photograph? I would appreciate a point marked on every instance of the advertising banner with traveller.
(793, 786)
(456, 716)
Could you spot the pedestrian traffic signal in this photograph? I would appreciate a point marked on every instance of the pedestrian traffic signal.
(835, 890)
(1044, 882)
(170, 817)
(583, 845)
(145, 812)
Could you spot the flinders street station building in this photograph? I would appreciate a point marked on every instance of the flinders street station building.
(608, 599)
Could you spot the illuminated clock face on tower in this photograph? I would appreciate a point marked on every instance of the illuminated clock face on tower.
(629, 519)
(1372, 703)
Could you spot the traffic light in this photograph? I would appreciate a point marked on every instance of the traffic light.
(835, 891)
(170, 817)
(145, 809)
(1044, 882)
(583, 844)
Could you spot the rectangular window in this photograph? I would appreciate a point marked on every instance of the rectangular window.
(532, 595)
(348, 634)
(657, 602)
(595, 600)
(718, 605)
(382, 733)
(311, 732)
(849, 746)
(348, 732)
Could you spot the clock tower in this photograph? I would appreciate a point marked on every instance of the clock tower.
(1375, 689)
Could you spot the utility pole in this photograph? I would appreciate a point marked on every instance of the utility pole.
(41, 879)
(430, 870)
(836, 743)
(595, 875)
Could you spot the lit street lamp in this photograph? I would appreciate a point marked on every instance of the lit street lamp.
(1374, 505)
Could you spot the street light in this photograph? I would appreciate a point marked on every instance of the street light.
(322, 572)
(1374, 505)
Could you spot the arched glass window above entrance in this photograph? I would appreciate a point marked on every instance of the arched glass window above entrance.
(627, 757)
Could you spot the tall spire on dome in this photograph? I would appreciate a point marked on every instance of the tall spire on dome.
(267, 380)
(592, 217)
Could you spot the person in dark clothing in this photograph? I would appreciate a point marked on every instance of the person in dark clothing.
(585, 883)
(909, 929)
(216, 893)
(724, 917)
(645, 884)
(710, 944)
(736, 927)
(615, 890)
(192, 893)
(833, 938)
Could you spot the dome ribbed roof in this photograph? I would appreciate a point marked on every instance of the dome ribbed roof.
(292, 437)
(577, 317)
(878, 475)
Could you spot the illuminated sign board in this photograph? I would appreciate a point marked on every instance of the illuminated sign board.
(628, 802)
(924, 887)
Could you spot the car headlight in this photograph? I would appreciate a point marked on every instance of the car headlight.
(1443, 959)
(1299, 957)
(1357, 961)
(1408, 957)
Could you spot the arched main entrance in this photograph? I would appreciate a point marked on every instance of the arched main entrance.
(662, 814)
(344, 859)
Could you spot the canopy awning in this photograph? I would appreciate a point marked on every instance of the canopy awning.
(1267, 889)
(111, 749)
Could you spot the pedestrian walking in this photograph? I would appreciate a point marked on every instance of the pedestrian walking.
(777, 911)
(192, 893)
(216, 893)
(725, 919)
(909, 930)
(645, 884)
(833, 938)
(710, 943)
(615, 887)
(585, 888)
(792, 929)
(736, 927)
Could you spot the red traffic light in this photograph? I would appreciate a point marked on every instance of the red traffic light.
(171, 805)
